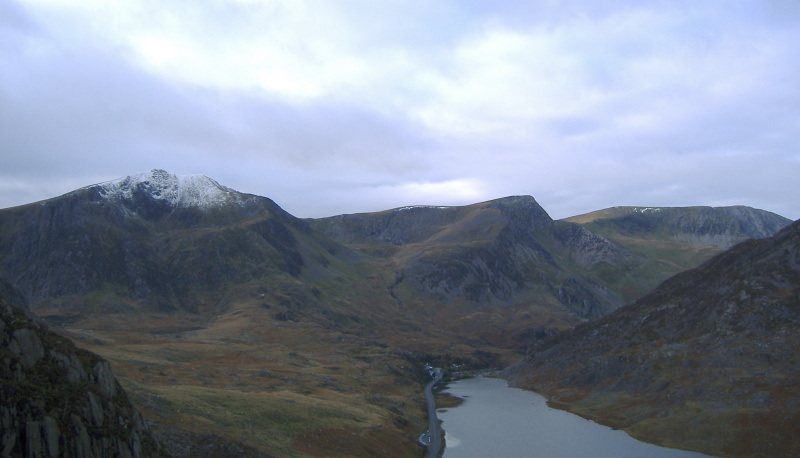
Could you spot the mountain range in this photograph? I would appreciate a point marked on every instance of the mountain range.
(201, 297)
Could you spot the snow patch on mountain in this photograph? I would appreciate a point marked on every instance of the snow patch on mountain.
(647, 209)
(414, 207)
(178, 190)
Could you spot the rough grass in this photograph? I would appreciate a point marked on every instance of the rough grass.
(286, 388)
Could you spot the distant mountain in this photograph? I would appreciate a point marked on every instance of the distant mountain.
(57, 400)
(161, 242)
(154, 240)
(673, 239)
(721, 227)
(708, 360)
(505, 251)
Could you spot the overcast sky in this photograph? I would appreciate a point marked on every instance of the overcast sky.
(346, 106)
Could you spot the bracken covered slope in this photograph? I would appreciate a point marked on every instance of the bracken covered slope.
(710, 360)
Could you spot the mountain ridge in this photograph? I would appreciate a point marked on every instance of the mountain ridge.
(485, 252)
(152, 250)
(170, 242)
(722, 227)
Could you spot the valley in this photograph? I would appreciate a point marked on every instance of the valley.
(240, 330)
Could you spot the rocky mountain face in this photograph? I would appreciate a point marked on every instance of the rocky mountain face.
(670, 240)
(164, 243)
(721, 227)
(154, 240)
(60, 401)
(708, 360)
(499, 252)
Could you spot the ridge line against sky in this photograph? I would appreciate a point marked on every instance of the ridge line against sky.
(356, 105)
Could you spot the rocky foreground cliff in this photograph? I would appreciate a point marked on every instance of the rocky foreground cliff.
(708, 361)
(59, 401)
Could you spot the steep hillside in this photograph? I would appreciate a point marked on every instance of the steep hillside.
(153, 240)
(708, 361)
(673, 239)
(502, 252)
(57, 400)
(720, 227)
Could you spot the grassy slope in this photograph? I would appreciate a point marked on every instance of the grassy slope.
(324, 371)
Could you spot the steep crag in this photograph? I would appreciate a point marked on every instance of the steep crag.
(60, 401)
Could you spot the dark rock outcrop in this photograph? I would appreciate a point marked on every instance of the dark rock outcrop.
(59, 401)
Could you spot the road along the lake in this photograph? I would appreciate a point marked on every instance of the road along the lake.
(434, 432)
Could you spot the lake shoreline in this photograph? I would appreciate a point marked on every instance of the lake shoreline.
(515, 421)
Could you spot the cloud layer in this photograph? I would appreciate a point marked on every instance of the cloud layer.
(348, 106)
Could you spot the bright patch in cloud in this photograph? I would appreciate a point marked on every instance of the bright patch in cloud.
(461, 190)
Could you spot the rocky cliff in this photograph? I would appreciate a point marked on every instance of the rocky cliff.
(60, 401)
(498, 252)
(708, 360)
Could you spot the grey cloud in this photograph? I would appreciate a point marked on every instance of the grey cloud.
(92, 114)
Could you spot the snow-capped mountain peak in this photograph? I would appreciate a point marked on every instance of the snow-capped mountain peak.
(175, 190)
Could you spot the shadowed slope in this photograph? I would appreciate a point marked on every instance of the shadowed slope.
(504, 251)
(708, 360)
(155, 241)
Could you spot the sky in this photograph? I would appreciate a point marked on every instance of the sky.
(331, 107)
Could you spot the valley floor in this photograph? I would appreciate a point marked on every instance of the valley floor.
(244, 384)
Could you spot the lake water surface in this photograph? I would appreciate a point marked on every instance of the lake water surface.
(497, 420)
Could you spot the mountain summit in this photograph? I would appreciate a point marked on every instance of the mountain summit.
(153, 239)
(174, 190)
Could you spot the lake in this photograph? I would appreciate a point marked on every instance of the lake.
(497, 420)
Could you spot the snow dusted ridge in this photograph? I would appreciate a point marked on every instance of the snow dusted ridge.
(414, 207)
(179, 190)
(647, 209)
(627, 209)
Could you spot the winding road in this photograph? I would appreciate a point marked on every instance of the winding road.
(434, 431)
